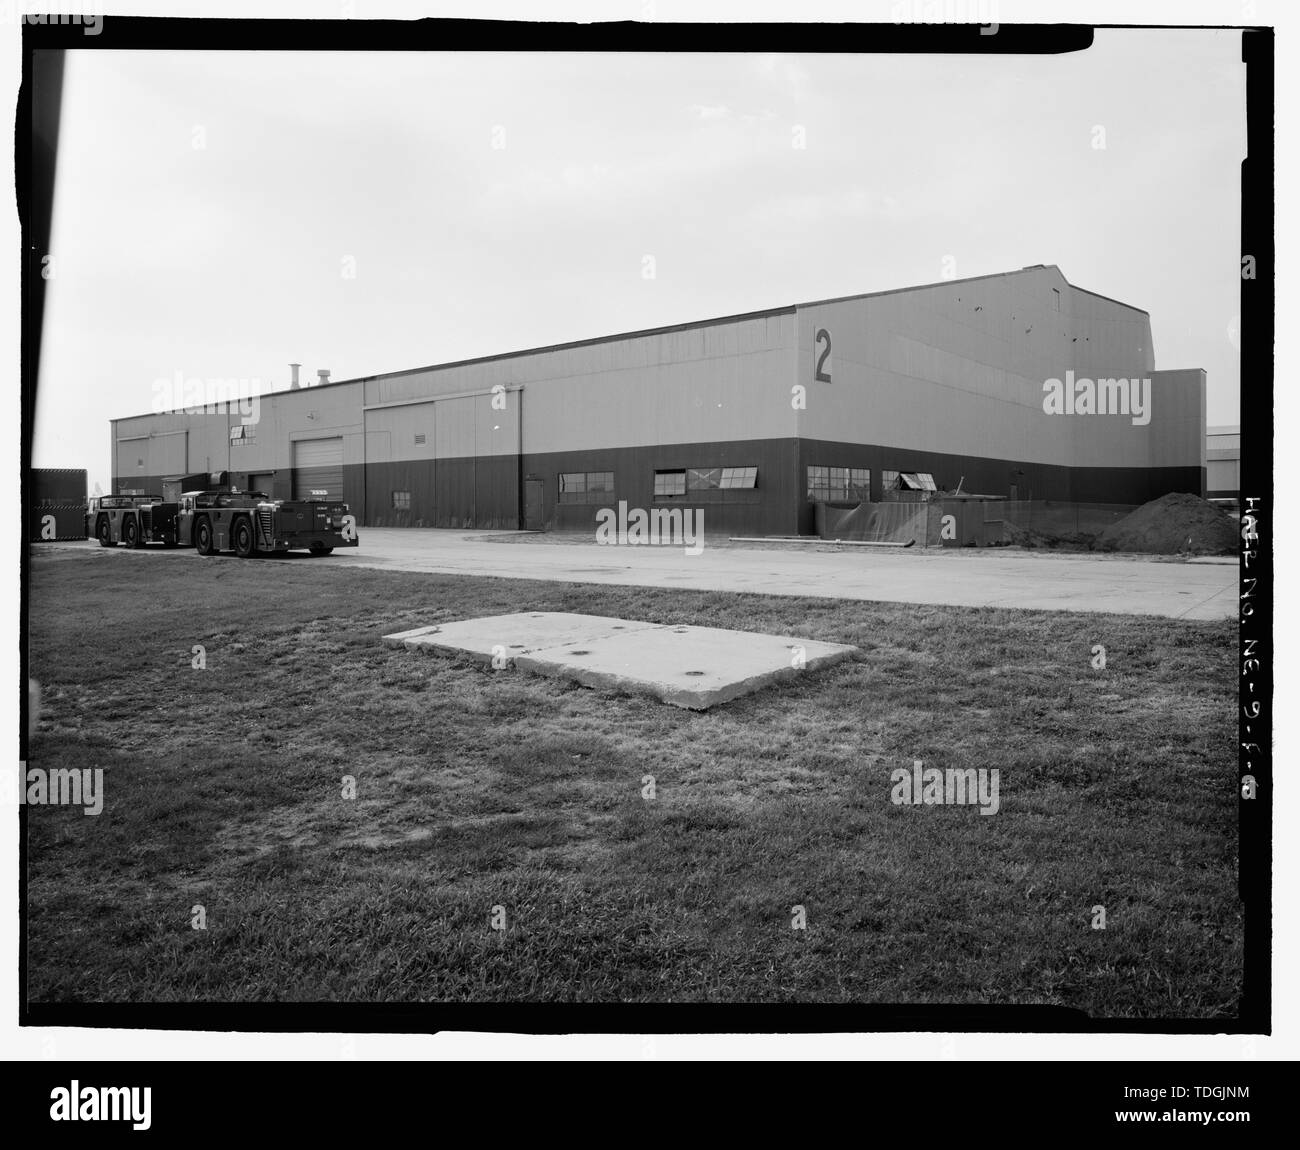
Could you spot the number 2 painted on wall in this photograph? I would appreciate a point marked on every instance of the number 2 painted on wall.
(823, 372)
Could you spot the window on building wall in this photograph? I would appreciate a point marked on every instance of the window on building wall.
(818, 483)
(670, 484)
(720, 478)
(1056, 300)
(401, 501)
(838, 484)
(586, 486)
(733, 477)
(907, 486)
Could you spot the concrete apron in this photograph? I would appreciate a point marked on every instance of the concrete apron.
(691, 667)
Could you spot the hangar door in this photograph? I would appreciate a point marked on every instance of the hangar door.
(168, 453)
(318, 466)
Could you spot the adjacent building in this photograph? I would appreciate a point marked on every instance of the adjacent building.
(1223, 462)
(56, 503)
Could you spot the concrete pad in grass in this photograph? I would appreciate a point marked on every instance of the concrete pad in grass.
(691, 667)
(398, 639)
(509, 636)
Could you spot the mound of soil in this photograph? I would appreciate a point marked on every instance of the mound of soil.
(1171, 525)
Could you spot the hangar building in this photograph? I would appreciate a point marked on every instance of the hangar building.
(753, 418)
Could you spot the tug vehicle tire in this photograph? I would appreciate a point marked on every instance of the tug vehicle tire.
(243, 533)
(203, 537)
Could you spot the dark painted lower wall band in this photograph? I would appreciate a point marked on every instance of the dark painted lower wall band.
(507, 492)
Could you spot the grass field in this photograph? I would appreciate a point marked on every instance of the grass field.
(477, 790)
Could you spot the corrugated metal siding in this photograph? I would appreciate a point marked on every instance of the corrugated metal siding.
(58, 484)
(464, 473)
(66, 521)
(959, 369)
(406, 432)
(56, 501)
(768, 509)
(168, 452)
(478, 493)
(414, 478)
(985, 476)
(726, 381)
(1223, 475)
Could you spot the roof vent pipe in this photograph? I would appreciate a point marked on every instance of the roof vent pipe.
(293, 383)
(322, 375)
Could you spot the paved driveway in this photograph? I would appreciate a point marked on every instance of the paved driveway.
(1202, 589)
(1199, 589)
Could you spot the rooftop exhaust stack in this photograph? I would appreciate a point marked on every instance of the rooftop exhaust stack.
(293, 383)
(322, 375)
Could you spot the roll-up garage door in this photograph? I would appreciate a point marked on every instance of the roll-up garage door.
(317, 467)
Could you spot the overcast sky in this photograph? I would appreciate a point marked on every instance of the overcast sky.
(208, 204)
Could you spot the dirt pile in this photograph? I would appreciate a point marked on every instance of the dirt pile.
(1173, 524)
